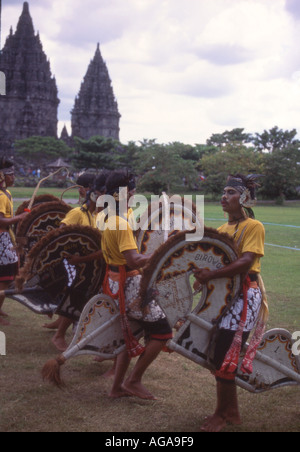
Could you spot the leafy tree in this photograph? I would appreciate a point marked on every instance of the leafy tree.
(162, 168)
(129, 157)
(152, 182)
(96, 153)
(282, 173)
(281, 156)
(235, 136)
(204, 150)
(40, 151)
(275, 139)
(229, 160)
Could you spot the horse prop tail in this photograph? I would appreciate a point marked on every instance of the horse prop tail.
(51, 371)
(98, 333)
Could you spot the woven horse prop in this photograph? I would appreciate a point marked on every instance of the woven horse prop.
(46, 215)
(47, 277)
(99, 330)
(168, 278)
(165, 217)
(37, 224)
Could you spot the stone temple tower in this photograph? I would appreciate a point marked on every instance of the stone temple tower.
(96, 110)
(31, 103)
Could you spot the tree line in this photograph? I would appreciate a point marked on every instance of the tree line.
(178, 167)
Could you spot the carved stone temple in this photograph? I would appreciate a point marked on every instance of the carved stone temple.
(31, 102)
(96, 110)
(30, 106)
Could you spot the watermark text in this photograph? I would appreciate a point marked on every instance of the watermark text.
(2, 84)
(2, 344)
(163, 213)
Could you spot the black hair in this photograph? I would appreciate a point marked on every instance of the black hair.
(5, 163)
(100, 181)
(86, 180)
(118, 179)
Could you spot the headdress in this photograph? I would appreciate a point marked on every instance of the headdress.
(6, 168)
(246, 186)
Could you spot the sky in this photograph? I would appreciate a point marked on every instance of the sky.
(181, 70)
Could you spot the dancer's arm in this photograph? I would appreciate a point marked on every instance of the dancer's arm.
(135, 260)
(239, 267)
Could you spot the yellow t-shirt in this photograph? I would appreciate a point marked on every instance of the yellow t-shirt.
(250, 238)
(100, 221)
(117, 238)
(102, 225)
(80, 217)
(6, 204)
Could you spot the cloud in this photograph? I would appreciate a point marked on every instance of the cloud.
(293, 7)
(91, 22)
(180, 69)
(222, 54)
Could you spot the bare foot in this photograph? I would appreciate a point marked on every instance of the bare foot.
(136, 389)
(214, 424)
(109, 374)
(52, 326)
(99, 360)
(59, 343)
(4, 322)
(3, 314)
(217, 422)
(119, 394)
(234, 420)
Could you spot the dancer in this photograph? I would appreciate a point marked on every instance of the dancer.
(69, 311)
(234, 329)
(122, 282)
(8, 255)
(85, 182)
(84, 215)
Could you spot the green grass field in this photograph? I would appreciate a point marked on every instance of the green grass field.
(185, 391)
(26, 193)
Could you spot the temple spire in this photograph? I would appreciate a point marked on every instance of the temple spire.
(25, 8)
(25, 25)
(96, 110)
(31, 101)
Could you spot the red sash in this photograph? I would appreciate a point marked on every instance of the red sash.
(230, 364)
(134, 348)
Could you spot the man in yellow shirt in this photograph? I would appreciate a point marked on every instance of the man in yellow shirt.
(8, 256)
(70, 309)
(122, 282)
(84, 215)
(249, 235)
